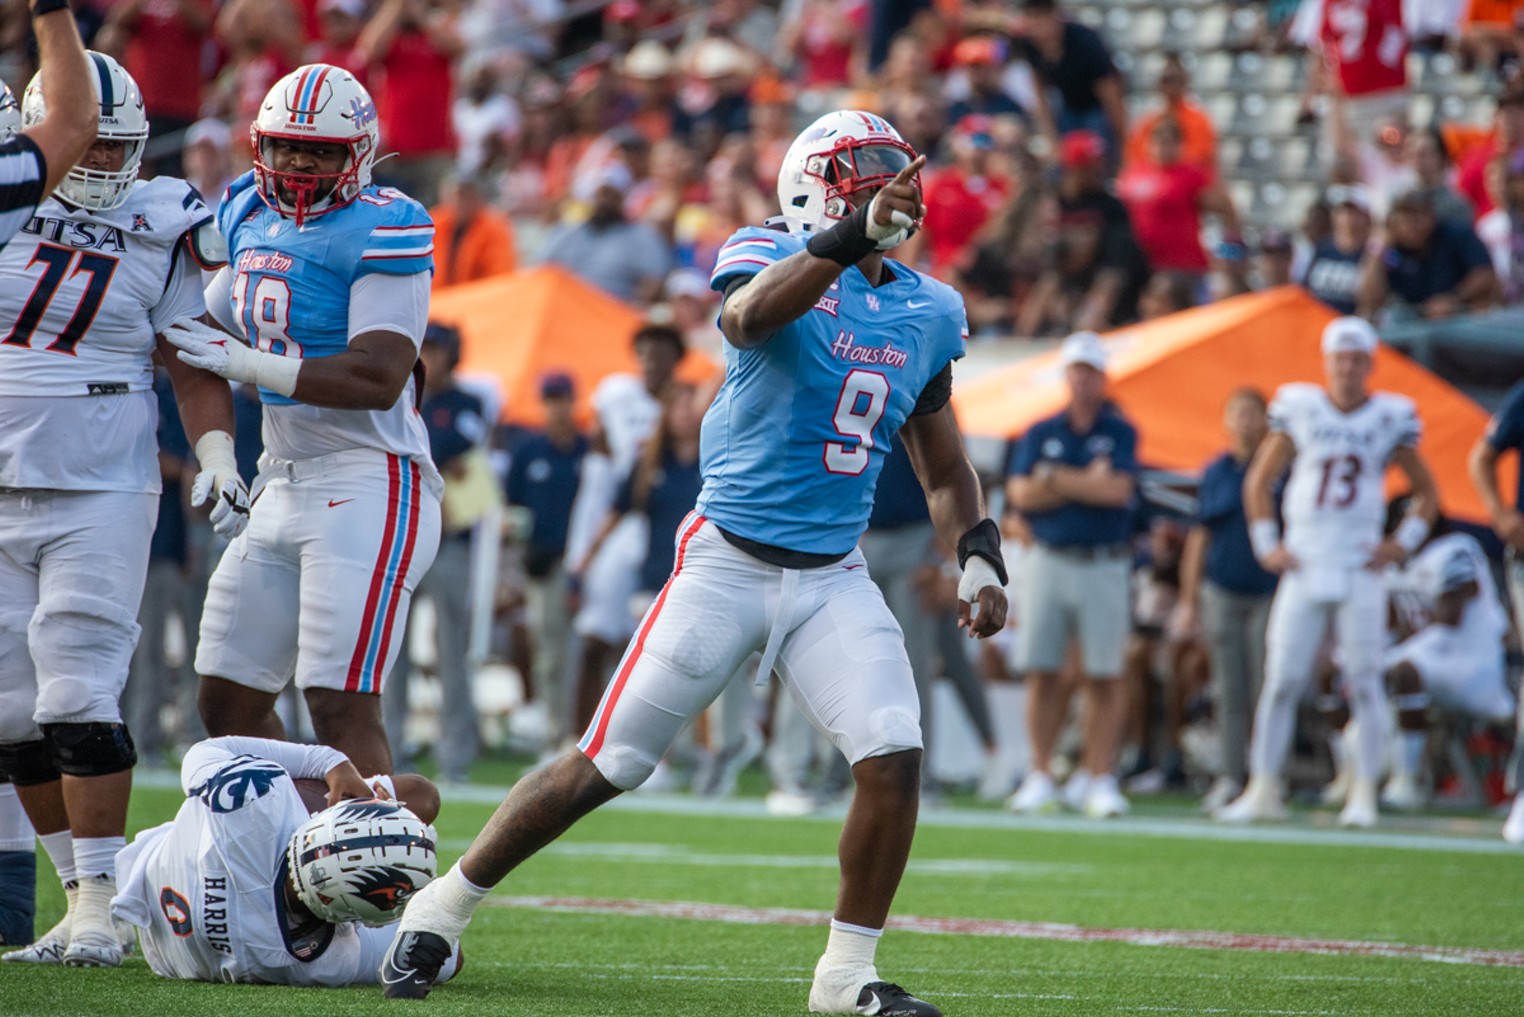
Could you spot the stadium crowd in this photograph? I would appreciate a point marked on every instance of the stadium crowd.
(627, 141)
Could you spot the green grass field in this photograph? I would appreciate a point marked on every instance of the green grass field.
(1439, 884)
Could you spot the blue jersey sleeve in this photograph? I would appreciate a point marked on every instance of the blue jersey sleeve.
(749, 251)
(401, 236)
(1506, 431)
(237, 202)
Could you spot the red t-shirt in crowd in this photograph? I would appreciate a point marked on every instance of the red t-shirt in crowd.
(1163, 202)
(827, 60)
(1366, 44)
(414, 97)
(1471, 178)
(164, 56)
(322, 53)
(957, 207)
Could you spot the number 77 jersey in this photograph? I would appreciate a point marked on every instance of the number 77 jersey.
(1335, 502)
(794, 441)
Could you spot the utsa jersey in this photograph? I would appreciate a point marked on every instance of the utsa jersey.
(1443, 564)
(205, 890)
(290, 293)
(794, 441)
(628, 415)
(83, 295)
(1334, 504)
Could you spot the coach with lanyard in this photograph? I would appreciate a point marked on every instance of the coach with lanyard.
(34, 162)
(1073, 476)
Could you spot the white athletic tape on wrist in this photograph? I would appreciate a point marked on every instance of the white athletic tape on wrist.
(214, 451)
(977, 574)
(1411, 533)
(267, 370)
(1264, 537)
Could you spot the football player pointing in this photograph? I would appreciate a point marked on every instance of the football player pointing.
(1337, 441)
(327, 286)
(832, 349)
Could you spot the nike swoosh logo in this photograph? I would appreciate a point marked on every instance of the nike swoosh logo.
(913, 305)
(335, 504)
(386, 978)
(874, 1005)
(849, 568)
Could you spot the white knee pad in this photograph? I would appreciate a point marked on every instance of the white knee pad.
(625, 766)
(82, 646)
(890, 729)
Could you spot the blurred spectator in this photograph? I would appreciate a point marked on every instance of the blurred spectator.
(1073, 61)
(1361, 52)
(1198, 145)
(716, 100)
(906, 74)
(1165, 197)
(527, 27)
(1225, 594)
(1274, 260)
(772, 127)
(1096, 270)
(339, 24)
(486, 120)
(1168, 293)
(1502, 229)
(961, 198)
(671, 186)
(1430, 163)
(626, 259)
(733, 201)
(1381, 162)
(648, 88)
(1007, 259)
(208, 159)
(1333, 273)
(263, 43)
(472, 240)
(1073, 476)
(825, 40)
(693, 308)
(411, 43)
(1507, 135)
(457, 431)
(543, 475)
(750, 23)
(1490, 35)
(983, 60)
(161, 43)
(1427, 270)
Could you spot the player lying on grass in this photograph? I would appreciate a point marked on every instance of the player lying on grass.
(255, 881)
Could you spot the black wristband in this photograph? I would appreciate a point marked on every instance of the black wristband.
(847, 242)
(41, 7)
(983, 540)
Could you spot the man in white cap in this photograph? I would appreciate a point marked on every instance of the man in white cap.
(1073, 476)
(1337, 441)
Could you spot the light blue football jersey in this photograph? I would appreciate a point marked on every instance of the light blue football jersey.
(793, 444)
(290, 286)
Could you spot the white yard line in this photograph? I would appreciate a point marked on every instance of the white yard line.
(1178, 938)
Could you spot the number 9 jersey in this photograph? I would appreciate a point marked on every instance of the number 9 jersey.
(83, 295)
(794, 441)
(1335, 501)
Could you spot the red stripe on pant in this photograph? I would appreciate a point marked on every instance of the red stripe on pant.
(606, 710)
(398, 580)
(378, 577)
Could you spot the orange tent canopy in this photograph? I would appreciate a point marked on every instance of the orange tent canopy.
(1173, 376)
(522, 325)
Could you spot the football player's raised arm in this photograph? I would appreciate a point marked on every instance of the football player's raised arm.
(73, 113)
(786, 290)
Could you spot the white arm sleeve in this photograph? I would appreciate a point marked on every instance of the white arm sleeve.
(205, 758)
(390, 303)
(182, 296)
(219, 300)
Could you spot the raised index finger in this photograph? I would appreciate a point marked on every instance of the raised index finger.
(907, 175)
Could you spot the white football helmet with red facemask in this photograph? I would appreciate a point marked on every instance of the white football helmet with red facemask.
(10, 113)
(837, 163)
(319, 103)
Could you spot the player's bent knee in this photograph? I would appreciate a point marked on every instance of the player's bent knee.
(91, 750)
(625, 766)
(891, 729)
(29, 763)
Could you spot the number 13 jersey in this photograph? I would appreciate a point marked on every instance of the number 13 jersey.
(794, 441)
(1335, 502)
(83, 295)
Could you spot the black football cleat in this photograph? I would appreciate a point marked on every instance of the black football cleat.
(889, 1000)
(413, 963)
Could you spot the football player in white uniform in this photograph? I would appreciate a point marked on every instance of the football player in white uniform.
(91, 284)
(249, 884)
(627, 408)
(327, 290)
(1454, 657)
(1338, 441)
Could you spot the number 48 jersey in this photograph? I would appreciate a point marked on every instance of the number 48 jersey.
(794, 441)
(83, 295)
(1335, 503)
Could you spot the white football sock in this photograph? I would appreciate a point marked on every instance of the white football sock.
(96, 856)
(60, 848)
(1411, 757)
(445, 906)
(851, 947)
(16, 833)
(1338, 750)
